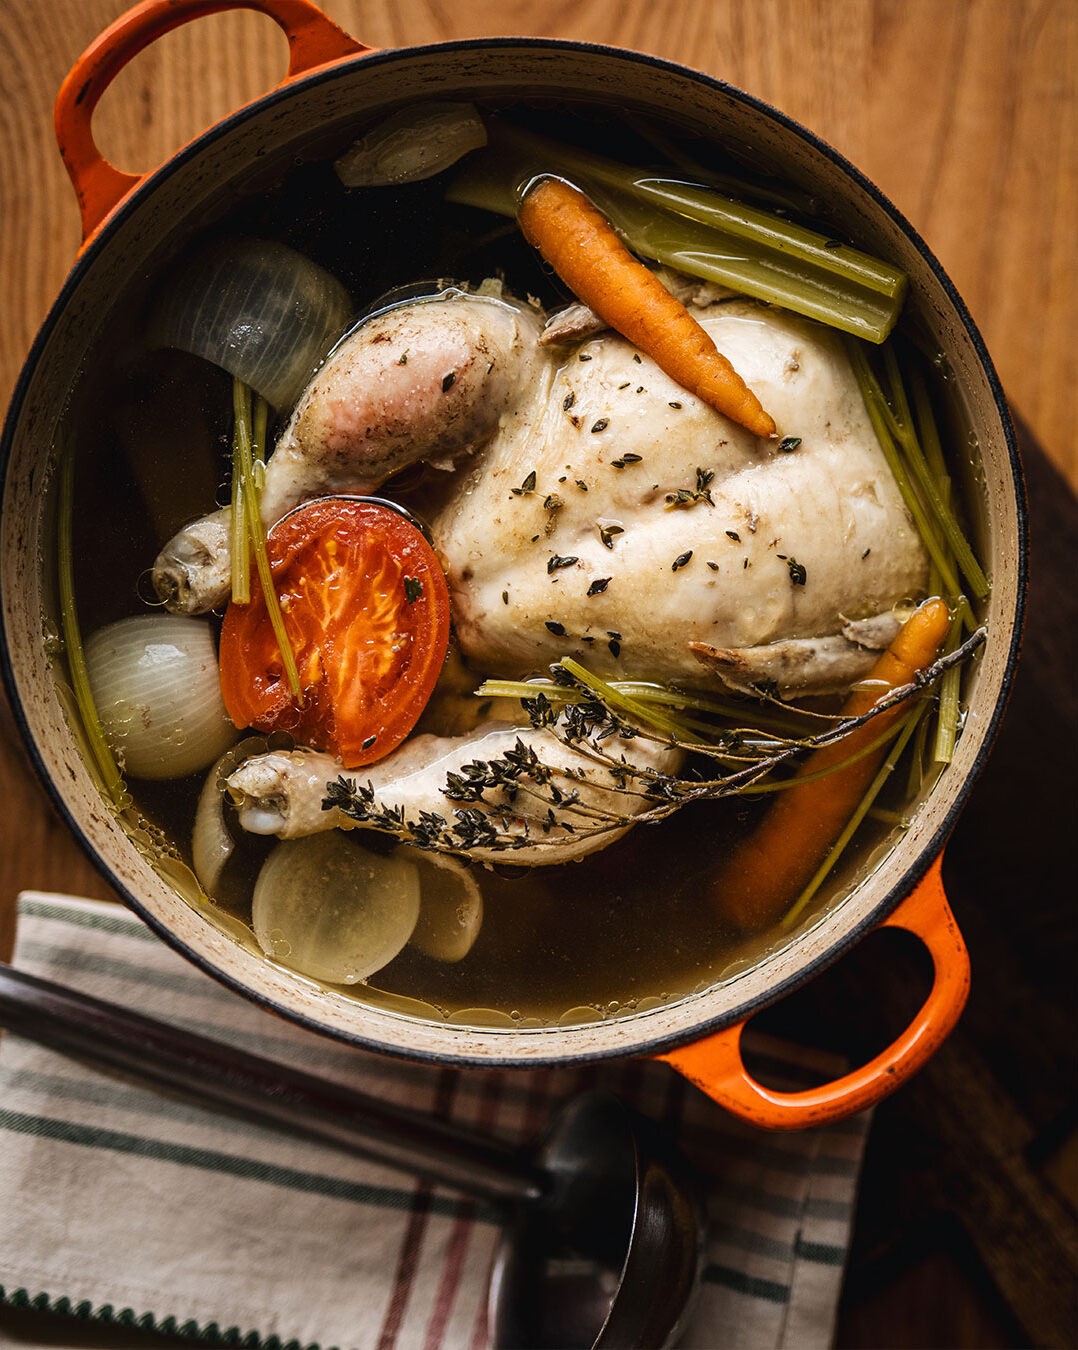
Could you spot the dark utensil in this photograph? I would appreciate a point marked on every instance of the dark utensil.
(605, 1239)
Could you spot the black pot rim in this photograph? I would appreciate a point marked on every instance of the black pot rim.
(899, 888)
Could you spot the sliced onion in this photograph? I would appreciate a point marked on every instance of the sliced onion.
(331, 909)
(155, 686)
(212, 842)
(413, 144)
(261, 310)
(450, 907)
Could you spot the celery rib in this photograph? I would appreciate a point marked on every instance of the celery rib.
(967, 563)
(698, 230)
(949, 707)
(875, 404)
(241, 402)
(875, 787)
(105, 762)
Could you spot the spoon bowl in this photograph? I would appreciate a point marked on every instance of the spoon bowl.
(613, 1258)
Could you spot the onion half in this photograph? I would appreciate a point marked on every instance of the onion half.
(262, 311)
(413, 144)
(331, 909)
(450, 908)
(157, 693)
(212, 842)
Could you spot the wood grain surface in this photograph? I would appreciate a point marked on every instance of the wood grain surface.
(965, 112)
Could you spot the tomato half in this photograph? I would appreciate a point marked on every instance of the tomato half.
(366, 608)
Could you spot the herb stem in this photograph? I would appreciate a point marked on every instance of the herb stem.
(780, 784)
(619, 702)
(876, 406)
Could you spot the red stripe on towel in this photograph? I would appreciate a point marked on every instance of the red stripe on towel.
(408, 1260)
(459, 1238)
(535, 1115)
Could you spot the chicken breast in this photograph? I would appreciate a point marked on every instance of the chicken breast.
(623, 522)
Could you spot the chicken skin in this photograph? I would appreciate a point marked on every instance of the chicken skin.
(594, 508)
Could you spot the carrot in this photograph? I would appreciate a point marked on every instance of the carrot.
(767, 871)
(583, 248)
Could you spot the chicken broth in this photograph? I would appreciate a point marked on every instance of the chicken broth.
(629, 924)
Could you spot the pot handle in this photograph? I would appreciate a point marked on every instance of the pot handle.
(715, 1065)
(313, 40)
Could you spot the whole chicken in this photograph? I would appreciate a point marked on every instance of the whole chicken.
(596, 509)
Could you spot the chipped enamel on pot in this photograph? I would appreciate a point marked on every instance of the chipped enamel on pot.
(304, 118)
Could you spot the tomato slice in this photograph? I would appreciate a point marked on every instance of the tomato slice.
(366, 608)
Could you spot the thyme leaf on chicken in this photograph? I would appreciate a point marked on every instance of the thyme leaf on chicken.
(587, 714)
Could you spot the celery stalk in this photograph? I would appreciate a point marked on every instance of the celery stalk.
(945, 518)
(875, 787)
(937, 548)
(240, 538)
(103, 759)
(949, 708)
(241, 402)
(698, 231)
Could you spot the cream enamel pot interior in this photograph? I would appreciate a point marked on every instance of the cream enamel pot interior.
(333, 85)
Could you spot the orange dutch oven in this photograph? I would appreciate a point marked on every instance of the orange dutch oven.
(334, 83)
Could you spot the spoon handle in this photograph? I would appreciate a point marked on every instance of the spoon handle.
(219, 1076)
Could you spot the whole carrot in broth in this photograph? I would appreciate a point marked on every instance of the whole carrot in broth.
(767, 871)
(584, 249)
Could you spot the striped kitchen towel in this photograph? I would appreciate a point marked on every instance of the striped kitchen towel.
(124, 1204)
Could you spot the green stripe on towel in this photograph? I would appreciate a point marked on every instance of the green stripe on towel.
(209, 1160)
(767, 1290)
(123, 922)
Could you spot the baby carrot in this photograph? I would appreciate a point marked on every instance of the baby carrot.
(583, 248)
(767, 871)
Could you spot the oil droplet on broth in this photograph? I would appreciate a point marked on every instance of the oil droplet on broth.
(649, 1004)
(280, 947)
(481, 1017)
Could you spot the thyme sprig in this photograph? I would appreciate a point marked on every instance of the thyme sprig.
(576, 708)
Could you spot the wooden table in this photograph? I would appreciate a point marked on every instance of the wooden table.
(965, 112)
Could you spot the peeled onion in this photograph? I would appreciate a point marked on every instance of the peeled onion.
(450, 907)
(156, 690)
(212, 842)
(329, 908)
(413, 144)
(261, 310)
